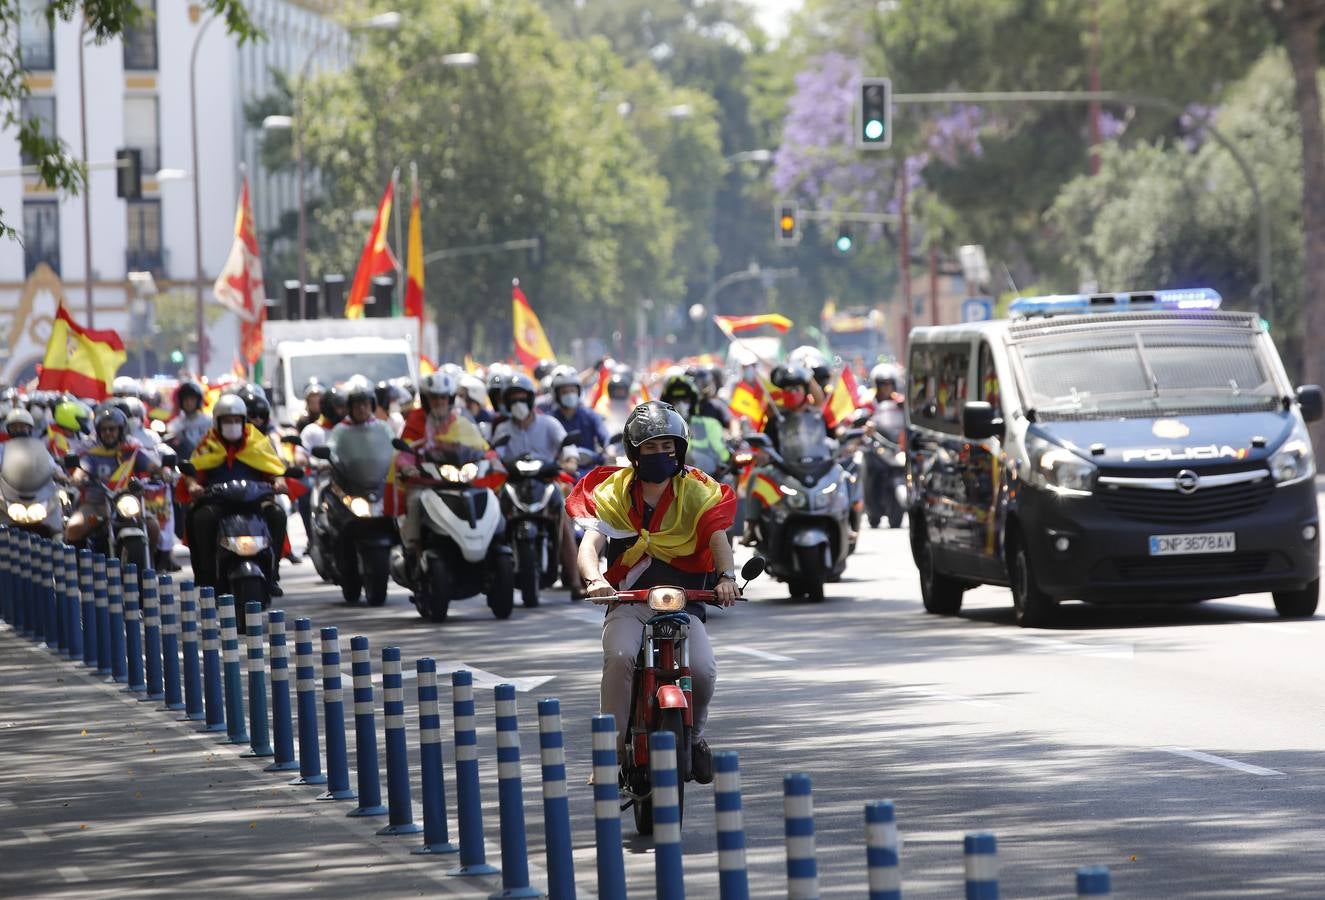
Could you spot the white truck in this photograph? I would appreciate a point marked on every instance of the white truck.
(332, 350)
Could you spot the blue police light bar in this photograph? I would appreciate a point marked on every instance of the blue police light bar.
(1077, 304)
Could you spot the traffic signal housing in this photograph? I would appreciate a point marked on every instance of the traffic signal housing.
(874, 124)
(845, 242)
(788, 225)
(129, 174)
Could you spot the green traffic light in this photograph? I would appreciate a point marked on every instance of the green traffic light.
(844, 243)
(874, 129)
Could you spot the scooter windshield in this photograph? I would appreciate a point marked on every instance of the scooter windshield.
(362, 455)
(804, 438)
(27, 465)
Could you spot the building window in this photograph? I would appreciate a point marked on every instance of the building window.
(143, 249)
(140, 41)
(41, 235)
(36, 43)
(43, 110)
(141, 132)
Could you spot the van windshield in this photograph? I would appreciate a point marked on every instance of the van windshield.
(1145, 372)
(334, 368)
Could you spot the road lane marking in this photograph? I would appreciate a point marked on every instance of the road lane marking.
(757, 653)
(72, 874)
(1050, 645)
(1218, 761)
(35, 835)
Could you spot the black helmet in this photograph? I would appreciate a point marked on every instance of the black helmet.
(112, 415)
(382, 394)
(499, 376)
(517, 383)
(654, 419)
(360, 388)
(188, 389)
(620, 382)
(334, 405)
(544, 368)
(313, 387)
(259, 410)
(792, 375)
(682, 388)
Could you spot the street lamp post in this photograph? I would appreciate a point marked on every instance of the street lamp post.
(195, 11)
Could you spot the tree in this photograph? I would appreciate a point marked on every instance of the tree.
(103, 20)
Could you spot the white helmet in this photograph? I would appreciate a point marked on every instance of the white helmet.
(439, 384)
(885, 372)
(565, 376)
(19, 417)
(124, 386)
(474, 389)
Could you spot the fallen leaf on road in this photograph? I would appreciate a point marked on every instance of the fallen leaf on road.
(83, 733)
(82, 828)
(252, 824)
(1133, 857)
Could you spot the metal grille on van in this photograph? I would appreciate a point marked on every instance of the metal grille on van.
(1203, 567)
(1208, 504)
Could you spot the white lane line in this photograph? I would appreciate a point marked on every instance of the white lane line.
(1218, 761)
(35, 835)
(1061, 647)
(72, 874)
(757, 653)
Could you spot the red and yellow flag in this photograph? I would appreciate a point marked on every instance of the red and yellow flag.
(375, 260)
(531, 343)
(80, 360)
(414, 260)
(841, 402)
(747, 403)
(239, 287)
(730, 325)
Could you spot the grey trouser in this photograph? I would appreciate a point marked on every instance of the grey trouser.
(623, 632)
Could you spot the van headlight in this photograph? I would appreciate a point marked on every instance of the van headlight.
(1059, 470)
(1294, 461)
(667, 599)
(128, 506)
(244, 544)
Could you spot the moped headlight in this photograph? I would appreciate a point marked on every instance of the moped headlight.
(528, 466)
(18, 512)
(795, 499)
(36, 512)
(667, 599)
(1294, 461)
(468, 472)
(360, 507)
(128, 506)
(449, 473)
(244, 544)
(1059, 470)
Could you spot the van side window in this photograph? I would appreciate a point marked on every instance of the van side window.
(938, 389)
(989, 390)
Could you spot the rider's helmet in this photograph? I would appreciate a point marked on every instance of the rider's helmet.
(124, 386)
(680, 389)
(565, 376)
(499, 376)
(314, 387)
(9, 398)
(333, 404)
(229, 406)
(518, 383)
(791, 377)
(122, 404)
(188, 389)
(19, 419)
(135, 409)
(620, 382)
(256, 408)
(654, 419)
(405, 392)
(702, 379)
(812, 359)
(544, 368)
(883, 373)
(108, 415)
(439, 384)
(718, 375)
(74, 416)
(382, 394)
(360, 388)
(472, 388)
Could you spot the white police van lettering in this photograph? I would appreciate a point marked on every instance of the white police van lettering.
(1168, 454)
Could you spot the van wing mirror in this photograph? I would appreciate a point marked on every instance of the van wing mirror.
(980, 420)
(1311, 402)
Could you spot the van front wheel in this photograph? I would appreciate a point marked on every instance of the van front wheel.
(1298, 604)
(1034, 608)
(941, 593)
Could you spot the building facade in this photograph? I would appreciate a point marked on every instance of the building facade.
(135, 93)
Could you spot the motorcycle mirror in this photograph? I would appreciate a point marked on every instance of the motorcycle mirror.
(617, 438)
(501, 442)
(188, 468)
(852, 434)
(399, 443)
(294, 472)
(324, 452)
(70, 461)
(135, 487)
(753, 568)
(570, 438)
(291, 439)
(758, 439)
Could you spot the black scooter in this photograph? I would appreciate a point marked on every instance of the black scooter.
(531, 503)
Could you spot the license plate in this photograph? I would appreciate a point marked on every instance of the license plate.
(1185, 544)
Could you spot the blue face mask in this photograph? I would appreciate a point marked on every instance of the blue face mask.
(656, 468)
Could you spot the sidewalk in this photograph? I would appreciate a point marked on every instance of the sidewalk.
(102, 795)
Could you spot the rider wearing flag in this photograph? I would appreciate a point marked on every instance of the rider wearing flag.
(660, 522)
(108, 463)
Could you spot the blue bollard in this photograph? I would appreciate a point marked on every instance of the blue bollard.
(119, 666)
(213, 688)
(310, 761)
(435, 836)
(236, 729)
(54, 624)
(399, 807)
(607, 810)
(333, 705)
(6, 589)
(365, 732)
(133, 630)
(260, 741)
(101, 595)
(882, 857)
(798, 811)
(469, 803)
(89, 599)
(669, 878)
(14, 583)
(73, 602)
(282, 724)
(1093, 881)
(151, 602)
(556, 808)
(510, 799)
(190, 663)
(27, 618)
(733, 880)
(981, 851)
(170, 676)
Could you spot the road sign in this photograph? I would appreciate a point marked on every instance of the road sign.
(977, 309)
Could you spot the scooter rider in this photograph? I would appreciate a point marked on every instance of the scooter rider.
(574, 415)
(706, 432)
(360, 399)
(190, 425)
(661, 523)
(313, 392)
(232, 450)
(18, 424)
(113, 457)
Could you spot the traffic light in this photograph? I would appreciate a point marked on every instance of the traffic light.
(874, 129)
(128, 174)
(788, 225)
(845, 240)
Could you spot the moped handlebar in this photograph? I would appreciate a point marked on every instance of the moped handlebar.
(708, 597)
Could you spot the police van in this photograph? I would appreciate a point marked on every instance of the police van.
(1111, 448)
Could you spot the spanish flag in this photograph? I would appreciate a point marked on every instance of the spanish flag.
(239, 286)
(414, 272)
(531, 343)
(80, 360)
(841, 402)
(747, 403)
(731, 325)
(375, 260)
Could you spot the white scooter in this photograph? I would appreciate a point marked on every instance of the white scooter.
(29, 490)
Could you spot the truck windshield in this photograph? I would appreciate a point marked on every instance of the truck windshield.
(334, 368)
(1145, 372)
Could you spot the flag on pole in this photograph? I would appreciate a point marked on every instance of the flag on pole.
(414, 274)
(730, 325)
(531, 343)
(598, 395)
(80, 360)
(747, 403)
(239, 287)
(841, 402)
(376, 259)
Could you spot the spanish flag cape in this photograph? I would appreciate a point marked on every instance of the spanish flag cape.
(256, 452)
(693, 507)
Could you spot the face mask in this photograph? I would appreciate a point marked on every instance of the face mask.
(519, 410)
(683, 408)
(569, 399)
(656, 468)
(795, 398)
(232, 431)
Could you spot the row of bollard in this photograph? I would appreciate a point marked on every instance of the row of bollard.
(182, 649)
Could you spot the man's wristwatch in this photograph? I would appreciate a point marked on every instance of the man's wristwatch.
(727, 573)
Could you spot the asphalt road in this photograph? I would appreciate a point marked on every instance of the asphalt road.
(1178, 745)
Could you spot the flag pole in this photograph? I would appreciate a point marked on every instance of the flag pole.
(414, 193)
(397, 296)
(733, 339)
